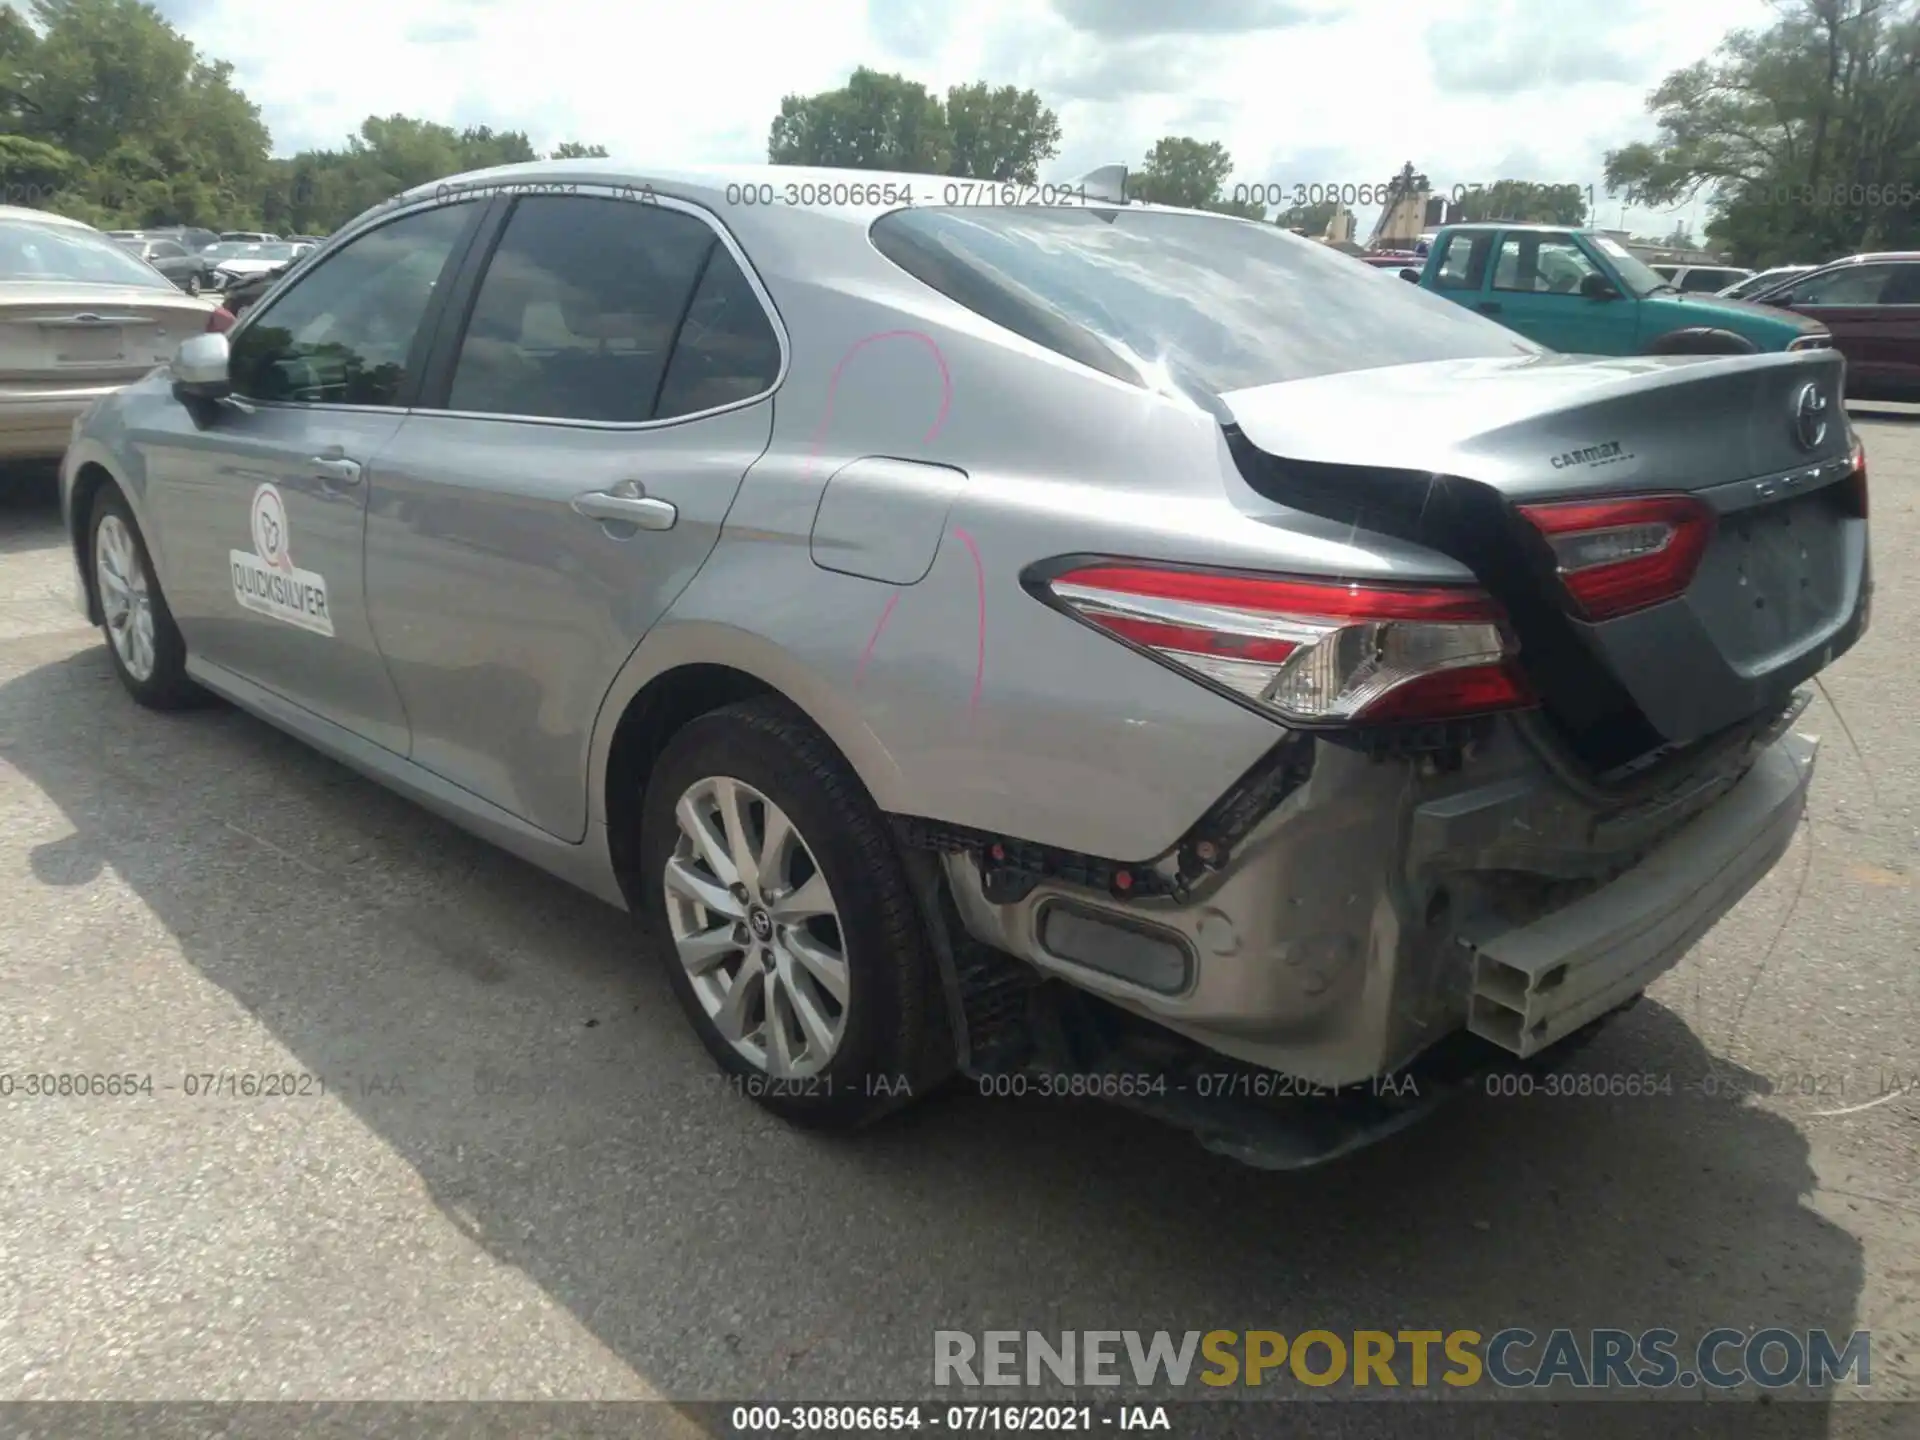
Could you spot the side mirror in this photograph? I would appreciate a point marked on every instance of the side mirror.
(199, 369)
(1410, 275)
(1598, 287)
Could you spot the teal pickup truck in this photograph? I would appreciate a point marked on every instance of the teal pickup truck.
(1584, 292)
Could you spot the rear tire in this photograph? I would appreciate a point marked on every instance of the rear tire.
(840, 1020)
(143, 643)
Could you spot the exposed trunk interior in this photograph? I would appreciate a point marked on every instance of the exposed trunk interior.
(1781, 591)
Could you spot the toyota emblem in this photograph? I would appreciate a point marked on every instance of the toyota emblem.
(1810, 417)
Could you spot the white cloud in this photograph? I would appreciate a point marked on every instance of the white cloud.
(1300, 91)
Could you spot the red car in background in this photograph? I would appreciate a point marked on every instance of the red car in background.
(1871, 303)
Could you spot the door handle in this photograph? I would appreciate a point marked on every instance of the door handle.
(1488, 307)
(627, 503)
(337, 470)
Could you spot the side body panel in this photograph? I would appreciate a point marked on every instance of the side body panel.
(959, 697)
(206, 487)
(504, 613)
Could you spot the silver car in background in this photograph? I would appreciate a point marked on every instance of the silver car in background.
(79, 317)
(1107, 650)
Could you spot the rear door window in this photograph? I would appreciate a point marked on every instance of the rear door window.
(1202, 302)
(1903, 287)
(576, 316)
(1852, 285)
(727, 350)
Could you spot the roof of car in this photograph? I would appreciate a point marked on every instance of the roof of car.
(715, 185)
(1875, 255)
(41, 217)
(1523, 225)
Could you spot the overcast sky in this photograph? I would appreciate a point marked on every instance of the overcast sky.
(1300, 91)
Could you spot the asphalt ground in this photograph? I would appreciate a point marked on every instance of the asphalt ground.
(507, 1170)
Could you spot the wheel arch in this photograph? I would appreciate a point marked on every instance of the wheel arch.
(91, 477)
(1702, 340)
(687, 670)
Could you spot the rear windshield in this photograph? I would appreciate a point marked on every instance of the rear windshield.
(1205, 300)
(30, 251)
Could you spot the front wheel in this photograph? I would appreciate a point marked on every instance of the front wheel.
(143, 643)
(798, 950)
(193, 285)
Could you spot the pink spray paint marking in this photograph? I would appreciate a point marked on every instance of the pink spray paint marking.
(820, 440)
(980, 638)
(833, 386)
(860, 670)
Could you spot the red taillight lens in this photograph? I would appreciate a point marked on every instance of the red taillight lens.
(1618, 556)
(220, 321)
(1314, 651)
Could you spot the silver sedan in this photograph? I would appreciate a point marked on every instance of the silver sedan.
(1106, 649)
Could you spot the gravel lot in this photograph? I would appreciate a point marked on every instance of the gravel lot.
(524, 1182)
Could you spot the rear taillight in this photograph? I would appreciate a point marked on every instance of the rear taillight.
(1618, 556)
(1312, 651)
(220, 321)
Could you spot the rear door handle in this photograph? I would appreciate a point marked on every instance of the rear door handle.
(336, 469)
(1489, 307)
(629, 503)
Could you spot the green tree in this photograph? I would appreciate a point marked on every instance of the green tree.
(1525, 201)
(1180, 170)
(161, 134)
(873, 122)
(480, 147)
(1800, 135)
(1001, 134)
(17, 42)
(1311, 220)
(35, 166)
(574, 150)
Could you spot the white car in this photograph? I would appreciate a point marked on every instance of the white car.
(1700, 279)
(239, 259)
(79, 319)
(1764, 281)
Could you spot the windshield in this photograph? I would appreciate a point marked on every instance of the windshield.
(1213, 301)
(54, 253)
(1639, 280)
(250, 250)
(1764, 282)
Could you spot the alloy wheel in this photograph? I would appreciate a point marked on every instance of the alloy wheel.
(125, 597)
(756, 927)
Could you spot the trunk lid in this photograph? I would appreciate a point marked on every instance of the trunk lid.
(1555, 425)
(1447, 454)
(92, 334)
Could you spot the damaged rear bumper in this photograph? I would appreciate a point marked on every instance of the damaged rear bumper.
(1537, 983)
(1383, 907)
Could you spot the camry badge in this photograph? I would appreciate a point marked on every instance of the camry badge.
(1810, 417)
